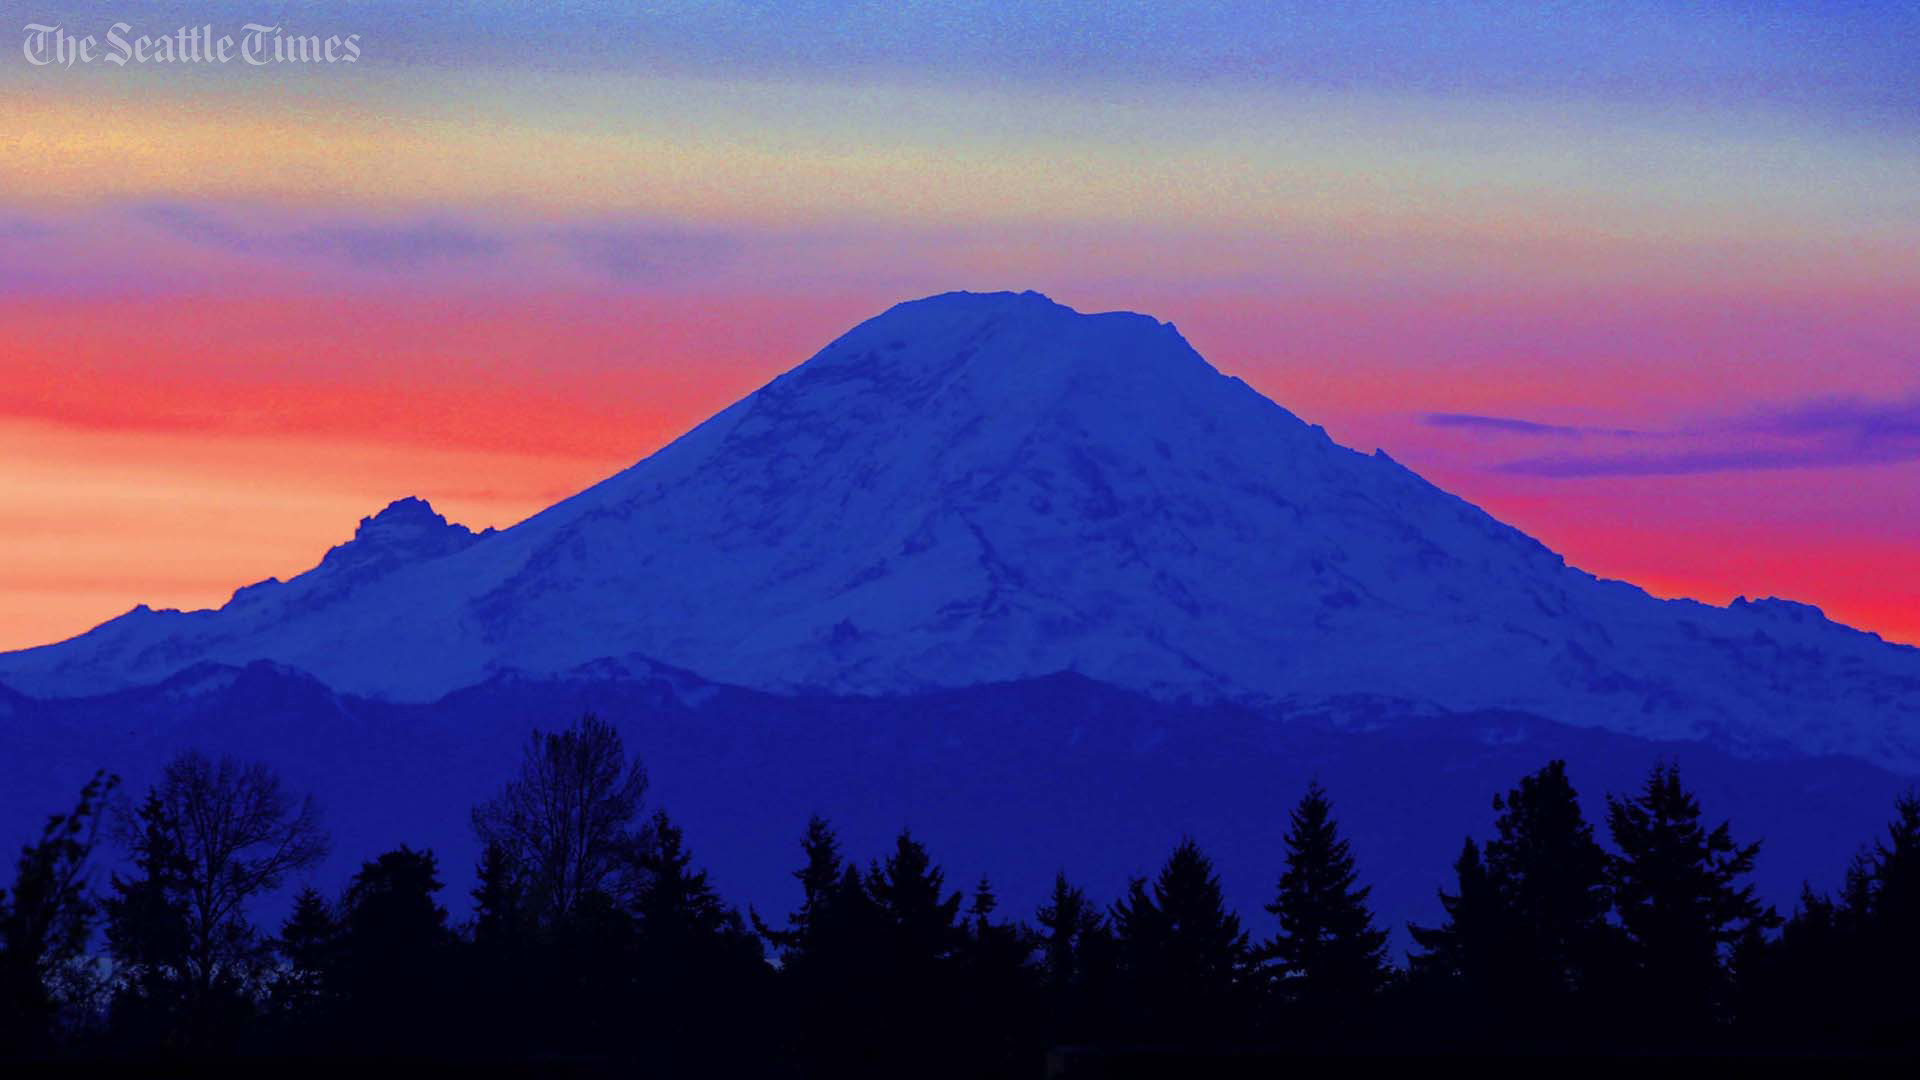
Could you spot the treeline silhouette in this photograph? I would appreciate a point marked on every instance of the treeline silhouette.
(595, 943)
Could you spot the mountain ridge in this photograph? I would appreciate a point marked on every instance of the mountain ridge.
(1018, 780)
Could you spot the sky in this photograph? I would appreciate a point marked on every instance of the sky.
(1641, 279)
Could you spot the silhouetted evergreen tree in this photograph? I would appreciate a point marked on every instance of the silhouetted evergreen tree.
(832, 968)
(678, 909)
(695, 960)
(1329, 960)
(1879, 922)
(919, 933)
(1000, 1032)
(820, 879)
(1182, 953)
(302, 996)
(46, 918)
(1527, 936)
(502, 980)
(501, 922)
(394, 950)
(1551, 875)
(1677, 888)
(147, 934)
(1460, 949)
(1071, 923)
(921, 916)
(1079, 964)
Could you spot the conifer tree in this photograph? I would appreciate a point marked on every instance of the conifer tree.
(46, 919)
(504, 978)
(1678, 890)
(999, 946)
(501, 921)
(980, 908)
(1070, 923)
(1461, 949)
(1551, 877)
(1892, 904)
(997, 989)
(1802, 990)
(308, 945)
(693, 953)
(147, 933)
(1182, 951)
(874, 961)
(393, 950)
(921, 916)
(680, 913)
(831, 963)
(1329, 958)
(1526, 932)
(995, 953)
(820, 880)
(1880, 914)
(1078, 961)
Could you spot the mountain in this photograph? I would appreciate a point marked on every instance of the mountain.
(973, 489)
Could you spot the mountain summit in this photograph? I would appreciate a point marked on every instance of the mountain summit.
(971, 489)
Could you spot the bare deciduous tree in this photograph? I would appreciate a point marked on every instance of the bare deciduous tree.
(569, 821)
(230, 832)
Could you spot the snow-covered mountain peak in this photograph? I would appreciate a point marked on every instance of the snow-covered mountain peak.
(407, 529)
(407, 532)
(978, 488)
(996, 344)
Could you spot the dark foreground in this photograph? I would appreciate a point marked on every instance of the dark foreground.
(597, 946)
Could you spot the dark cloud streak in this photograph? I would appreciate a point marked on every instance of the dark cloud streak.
(1508, 425)
(1824, 433)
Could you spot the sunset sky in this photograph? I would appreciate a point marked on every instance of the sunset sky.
(1643, 280)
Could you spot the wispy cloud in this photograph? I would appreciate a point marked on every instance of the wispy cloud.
(1512, 426)
(642, 254)
(1711, 461)
(398, 246)
(625, 253)
(1825, 433)
(24, 230)
(1863, 421)
(385, 245)
(199, 226)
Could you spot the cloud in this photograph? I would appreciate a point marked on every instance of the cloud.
(1824, 433)
(1863, 421)
(398, 247)
(1710, 461)
(26, 230)
(198, 226)
(391, 246)
(627, 253)
(1511, 426)
(640, 254)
